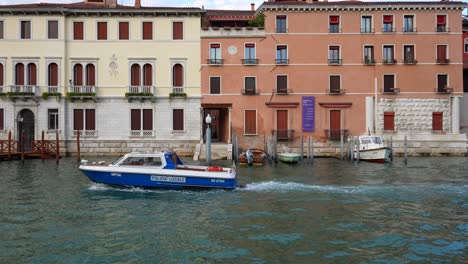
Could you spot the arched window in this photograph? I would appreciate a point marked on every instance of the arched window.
(135, 72)
(53, 74)
(178, 76)
(90, 75)
(32, 74)
(19, 74)
(148, 75)
(78, 75)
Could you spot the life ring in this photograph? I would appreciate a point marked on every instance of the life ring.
(215, 168)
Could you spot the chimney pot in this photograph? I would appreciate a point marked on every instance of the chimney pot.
(137, 3)
(112, 3)
(252, 6)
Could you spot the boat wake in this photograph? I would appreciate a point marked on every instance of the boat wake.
(104, 187)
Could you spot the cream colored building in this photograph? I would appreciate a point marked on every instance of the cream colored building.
(128, 76)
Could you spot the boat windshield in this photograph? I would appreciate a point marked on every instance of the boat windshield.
(118, 160)
(366, 140)
(377, 140)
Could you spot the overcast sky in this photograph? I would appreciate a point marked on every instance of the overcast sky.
(209, 4)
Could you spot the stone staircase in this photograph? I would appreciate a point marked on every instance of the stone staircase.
(219, 151)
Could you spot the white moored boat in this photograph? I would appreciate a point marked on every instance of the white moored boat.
(372, 148)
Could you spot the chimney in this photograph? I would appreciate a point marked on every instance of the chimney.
(138, 3)
(252, 7)
(112, 3)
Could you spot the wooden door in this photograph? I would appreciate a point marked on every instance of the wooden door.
(26, 125)
(282, 124)
(335, 124)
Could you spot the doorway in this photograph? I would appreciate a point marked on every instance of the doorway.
(282, 124)
(25, 123)
(335, 124)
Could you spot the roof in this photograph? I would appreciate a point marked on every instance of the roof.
(224, 15)
(365, 3)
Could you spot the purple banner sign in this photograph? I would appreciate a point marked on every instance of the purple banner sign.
(308, 113)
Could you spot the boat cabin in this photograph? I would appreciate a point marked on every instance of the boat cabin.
(163, 160)
(370, 142)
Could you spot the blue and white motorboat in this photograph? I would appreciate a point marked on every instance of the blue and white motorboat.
(159, 170)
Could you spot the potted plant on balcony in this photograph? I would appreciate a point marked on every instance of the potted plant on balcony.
(177, 95)
(46, 95)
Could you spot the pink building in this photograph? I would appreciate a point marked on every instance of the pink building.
(323, 69)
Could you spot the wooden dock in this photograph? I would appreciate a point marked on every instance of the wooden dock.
(40, 149)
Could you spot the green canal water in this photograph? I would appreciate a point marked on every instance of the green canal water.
(328, 211)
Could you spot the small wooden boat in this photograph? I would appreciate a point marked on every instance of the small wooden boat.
(252, 157)
(289, 157)
(159, 170)
(371, 148)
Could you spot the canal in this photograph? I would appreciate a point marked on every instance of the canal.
(328, 211)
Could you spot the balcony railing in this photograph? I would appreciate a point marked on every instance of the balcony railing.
(31, 90)
(281, 30)
(2, 90)
(85, 133)
(367, 30)
(249, 61)
(335, 61)
(388, 30)
(445, 90)
(336, 91)
(52, 89)
(141, 133)
(392, 91)
(282, 61)
(409, 61)
(368, 61)
(82, 89)
(178, 90)
(215, 62)
(148, 90)
(282, 91)
(443, 61)
(335, 134)
(409, 30)
(334, 30)
(442, 29)
(283, 134)
(389, 61)
(250, 92)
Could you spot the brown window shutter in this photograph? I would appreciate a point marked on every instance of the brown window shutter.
(441, 82)
(389, 121)
(335, 83)
(90, 75)
(2, 122)
(215, 85)
(123, 31)
(102, 30)
(78, 30)
(282, 83)
(53, 29)
(250, 83)
(1, 30)
(19, 74)
(147, 30)
(178, 75)
(389, 83)
(78, 119)
(148, 75)
(178, 30)
(1, 75)
(78, 75)
(90, 119)
(250, 122)
(441, 52)
(147, 119)
(25, 29)
(178, 119)
(32, 74)
(135, 122)
(135, 75)
(437, 121)
(53, 74)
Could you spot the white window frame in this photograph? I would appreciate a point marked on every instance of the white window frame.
(30, 29)
(394, 81)
(153, 28)
(57, 117)
(372, 30)
(220, 84)
(329, 82)
(73, 30)
(183, 30)
(58, 28)
(118, 30)
(172, 118)
(276, 24)
(59, 71)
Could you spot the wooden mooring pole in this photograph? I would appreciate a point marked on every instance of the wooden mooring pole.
(406, 150)
(78, 145)
(358, 154)
(341, 145)
(9, 145)
(391, 149)
(302, 147)
(57, 147)
(42, 146)
(312, 148)
(22, 145)
(349, 149)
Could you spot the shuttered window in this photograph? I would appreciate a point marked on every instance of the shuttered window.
(442, 82)
(2, 120)
(52, 29)
(78, 119)
(78, 75)
(1, 75)
(147, 30)
(25, 29)
(147, 119)
(1, 30)
(441, 20)
(178, 119)
(78, 30)
(437, 121)
(389, 121)
(32, 74)
(281, 83)
(215, 85)
(177, 30)
(389, 83)
(90, 75)
(178, 76)
(123, 30)
(250, 85)
(141, 119)
(135, 75)
(441, 53)
(335, 84)
(147, 75)
(102, 30)
(90, 119)
(53, 74)
(250, 122)
(135, 116)
(19, 74)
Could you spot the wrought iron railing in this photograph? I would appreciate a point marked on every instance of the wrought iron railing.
(367, 30)
(282, 61)
(249, 61)
(283, 134)
(282, 91)
(335, 134)
(442, 29)
(444, 90)
(335, 61)
(250, 92)
(443, 61)
(389, 61)
(142, 133)
(409, 29)
(369, 61)
(336, 91)
(215, 61)
(409, 61)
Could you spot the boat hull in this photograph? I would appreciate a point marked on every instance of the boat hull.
(289, 157)
(379, 155)
(162, 181)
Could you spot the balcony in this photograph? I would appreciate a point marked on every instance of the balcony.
(392, 91)
(369, 61)
(410, 61)
(409, 30)
(53, 89)
(215, 62)
(335, 134)
(335, 61)
(444, 61)
(389, 61)
(250, 62)
(23, 92)
(335, 91)
(139, 92)
(250, 92)
(141, 133)
(282, 61)
(445, 90)
(442, 29)
(283, 134)
(178, 92)
(81, 92)
(282, 91)
(85, 133)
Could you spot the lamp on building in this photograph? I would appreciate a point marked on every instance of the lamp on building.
(208, 139)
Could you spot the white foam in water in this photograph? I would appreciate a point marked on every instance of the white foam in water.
(98, 187)
(294, 186)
